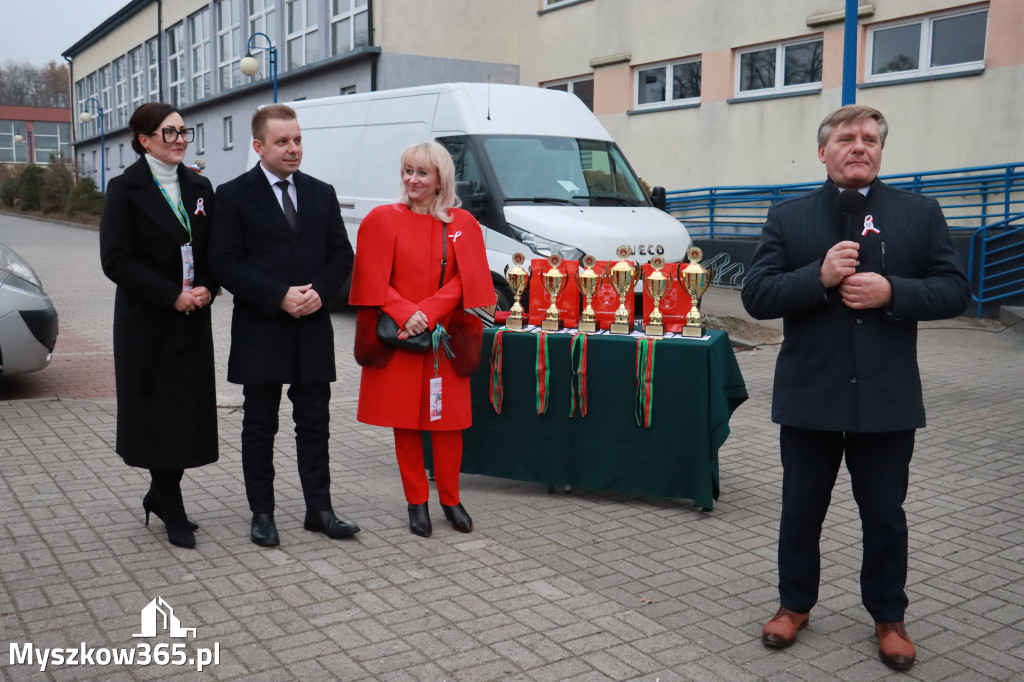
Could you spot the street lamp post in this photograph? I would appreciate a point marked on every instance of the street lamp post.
(249, 64)
(19, 138)
(85, 117)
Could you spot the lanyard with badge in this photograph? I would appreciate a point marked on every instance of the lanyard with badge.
(188, 263)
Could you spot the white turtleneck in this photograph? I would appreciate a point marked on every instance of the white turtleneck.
(167, 175)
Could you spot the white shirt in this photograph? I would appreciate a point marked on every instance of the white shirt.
(272, 179)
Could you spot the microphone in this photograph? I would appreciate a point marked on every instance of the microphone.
(851, 203)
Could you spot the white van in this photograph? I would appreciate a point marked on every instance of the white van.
(534, 166)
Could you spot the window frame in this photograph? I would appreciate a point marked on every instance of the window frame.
(177, 88)
(200, 46)
(779, 88)
(350, 14)
(263, 20)
(669, 101)
(925, 48)
(200, 138)
(121, 95)
(231, 33)
(307, 34)
(137, 76)
(570, 84)
(228, 131)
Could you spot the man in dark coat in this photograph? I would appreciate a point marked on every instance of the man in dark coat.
(851, 268)
(280, 247)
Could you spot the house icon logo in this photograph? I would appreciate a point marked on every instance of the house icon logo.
(158, 616)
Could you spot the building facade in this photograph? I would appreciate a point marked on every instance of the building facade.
(34, 134)
(696, 92)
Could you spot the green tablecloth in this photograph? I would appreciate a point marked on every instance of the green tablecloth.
(697, 386)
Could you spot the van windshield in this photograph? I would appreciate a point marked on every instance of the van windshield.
(563, 170)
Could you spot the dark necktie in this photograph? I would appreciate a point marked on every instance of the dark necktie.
(286, 202)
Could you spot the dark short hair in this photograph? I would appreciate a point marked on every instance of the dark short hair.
(264, 114)
(146, 119)
(851, 113)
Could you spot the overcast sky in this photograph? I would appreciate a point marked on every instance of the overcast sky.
(37, 31)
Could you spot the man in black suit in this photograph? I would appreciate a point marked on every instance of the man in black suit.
(851, 267)
(279, 246)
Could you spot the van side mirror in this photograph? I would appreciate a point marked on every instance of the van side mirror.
(658, 198)
(476, 204)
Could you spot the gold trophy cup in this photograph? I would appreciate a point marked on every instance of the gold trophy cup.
(554, 281)
(588, 283)
(517, 278)
(657, 284)
(623, 276)
(696, 280)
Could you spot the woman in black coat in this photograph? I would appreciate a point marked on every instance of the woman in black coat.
(153, 242)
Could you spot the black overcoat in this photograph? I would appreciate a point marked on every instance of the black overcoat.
(256, 255)
(163, 359)
(841, 369)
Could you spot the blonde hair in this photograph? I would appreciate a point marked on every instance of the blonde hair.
(433, 154)
(851, 113)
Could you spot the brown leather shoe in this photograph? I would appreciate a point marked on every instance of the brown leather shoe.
(780, 631)
(894, 645)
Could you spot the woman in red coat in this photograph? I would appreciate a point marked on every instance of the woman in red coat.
(398, 271)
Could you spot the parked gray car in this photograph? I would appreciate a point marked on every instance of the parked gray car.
(28, 320)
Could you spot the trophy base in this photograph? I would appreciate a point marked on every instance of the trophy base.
(694, 332)
(654, 330)
(516, 324)
(552, 325)
(588, 327)
(621, 328)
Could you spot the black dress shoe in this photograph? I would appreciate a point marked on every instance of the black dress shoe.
(459, 518)
(330, 525)
(264, 532)
(419, 520)
(151, 506)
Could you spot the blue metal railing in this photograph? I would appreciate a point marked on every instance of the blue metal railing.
(1000, 261)
(970, 198)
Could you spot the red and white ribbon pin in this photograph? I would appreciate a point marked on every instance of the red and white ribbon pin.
(456, 236)
(201, 211)
(869, 226)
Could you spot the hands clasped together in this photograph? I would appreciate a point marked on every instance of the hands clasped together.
(859, 290)
(416, 324)
(301, 301)
(188, 301)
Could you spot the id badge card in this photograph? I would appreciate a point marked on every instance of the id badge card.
(188, 268)
(435, 399)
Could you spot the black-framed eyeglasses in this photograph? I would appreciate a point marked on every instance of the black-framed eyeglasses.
(171, 134)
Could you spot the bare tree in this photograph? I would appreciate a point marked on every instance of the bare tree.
(22, 84)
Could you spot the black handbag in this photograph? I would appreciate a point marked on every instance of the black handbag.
(387, 328)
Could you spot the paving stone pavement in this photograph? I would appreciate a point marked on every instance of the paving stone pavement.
(588, 586)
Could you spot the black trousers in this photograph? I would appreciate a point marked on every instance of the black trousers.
(311, 414)
(879, 466)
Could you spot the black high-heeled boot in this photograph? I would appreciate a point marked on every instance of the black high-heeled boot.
(459, 517)
(419, 520)
(167, 486)
(150, 504)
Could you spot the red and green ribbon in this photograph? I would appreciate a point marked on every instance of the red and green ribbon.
(543, 372)
(579, 374)
(497, 387)
(645, 382)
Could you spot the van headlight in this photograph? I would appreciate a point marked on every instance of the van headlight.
(544, 246)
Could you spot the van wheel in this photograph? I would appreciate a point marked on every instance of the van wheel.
(504, 295)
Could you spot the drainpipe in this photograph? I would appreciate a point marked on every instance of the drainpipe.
(850, 53)
(374, 58)
(160, 47)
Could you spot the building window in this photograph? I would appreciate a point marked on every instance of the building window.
(106, 157)
(153, 67)
(229, 44)
(348, 90)
(199, 30)
(106, 97)
(200, 138)
(177, 90)
(554, 4)
(349, 25)
(94, 166)
(120, 154)
(229, 133)
(137, 64)
(581, 87)
(84, 89)
(51, 139)
(301, 30)
(121, 92)
(667, 84)
(779, 69)
(262, 20)
(11, 151)
(935, 45)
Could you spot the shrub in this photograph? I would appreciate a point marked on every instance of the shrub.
(57, 186)
(8, 190)
(85, 198)
(30, 187)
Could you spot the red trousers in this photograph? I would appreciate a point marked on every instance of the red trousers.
(447, 448)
